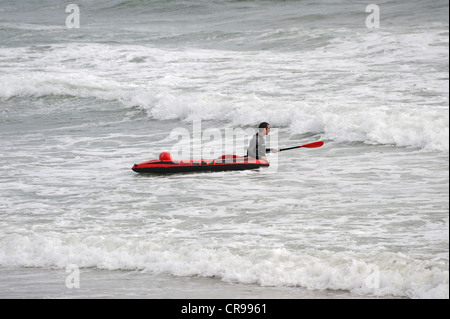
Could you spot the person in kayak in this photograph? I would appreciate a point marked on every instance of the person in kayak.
(257, 146)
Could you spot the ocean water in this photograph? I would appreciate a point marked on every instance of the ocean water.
(364, 216)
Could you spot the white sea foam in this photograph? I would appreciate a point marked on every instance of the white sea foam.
(385, 274)
(349, 98)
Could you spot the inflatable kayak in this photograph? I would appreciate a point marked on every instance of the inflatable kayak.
(165, 164)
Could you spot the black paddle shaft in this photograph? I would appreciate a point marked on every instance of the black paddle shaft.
(288, 148)
(310, 145)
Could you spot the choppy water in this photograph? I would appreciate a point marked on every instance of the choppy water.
(366, 214)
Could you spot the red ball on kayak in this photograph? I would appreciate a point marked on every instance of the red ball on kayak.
(165, 156)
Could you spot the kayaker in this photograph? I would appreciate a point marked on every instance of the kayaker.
(257, 147)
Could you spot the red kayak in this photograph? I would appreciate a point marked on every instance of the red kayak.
(165, 164)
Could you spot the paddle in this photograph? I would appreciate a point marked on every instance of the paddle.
(310, 145)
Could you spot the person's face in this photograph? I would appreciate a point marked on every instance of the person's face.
(267, 129)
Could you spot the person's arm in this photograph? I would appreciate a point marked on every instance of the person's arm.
(272, 150)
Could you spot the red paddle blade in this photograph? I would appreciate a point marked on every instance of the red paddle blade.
(313, 145)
